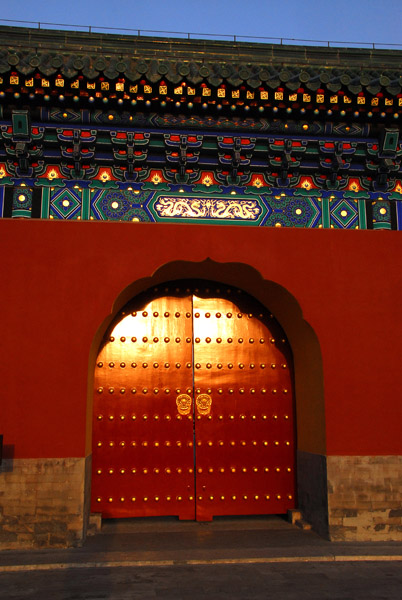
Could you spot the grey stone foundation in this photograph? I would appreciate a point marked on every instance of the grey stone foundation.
(351, 498)
(365, 498)
(43, 502)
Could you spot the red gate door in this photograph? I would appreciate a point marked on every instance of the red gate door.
(195, 364)
(244, 408)
(143, 455)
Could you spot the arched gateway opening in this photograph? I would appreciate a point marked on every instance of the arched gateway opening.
(193, 407)
(195, 397)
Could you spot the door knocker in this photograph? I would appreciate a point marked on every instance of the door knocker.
(183, 403)
(204, 403)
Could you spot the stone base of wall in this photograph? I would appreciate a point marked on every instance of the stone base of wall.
(312, 490)
(43, 502)
(365, 498)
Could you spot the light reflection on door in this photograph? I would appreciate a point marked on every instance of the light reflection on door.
(193, 408)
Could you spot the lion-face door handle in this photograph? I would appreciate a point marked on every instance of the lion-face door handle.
(184, 404)
(203, 403)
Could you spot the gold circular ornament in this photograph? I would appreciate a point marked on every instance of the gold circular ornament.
(183, 403)
(204, 402)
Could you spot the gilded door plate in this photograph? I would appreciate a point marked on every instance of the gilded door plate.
(204, 403)
(183, 402)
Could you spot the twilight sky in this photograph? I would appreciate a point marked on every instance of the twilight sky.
(337, 20)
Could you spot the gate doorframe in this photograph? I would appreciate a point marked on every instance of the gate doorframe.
(307, 360)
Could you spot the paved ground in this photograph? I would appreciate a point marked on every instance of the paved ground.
(253, 558)
(298, 581)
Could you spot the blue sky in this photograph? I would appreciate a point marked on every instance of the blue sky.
(338, 20)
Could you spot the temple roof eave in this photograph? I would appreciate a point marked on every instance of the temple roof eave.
(214, 62)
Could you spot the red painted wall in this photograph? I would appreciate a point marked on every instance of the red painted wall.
(59, 281)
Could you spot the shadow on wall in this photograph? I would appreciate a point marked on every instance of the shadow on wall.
(7, 457)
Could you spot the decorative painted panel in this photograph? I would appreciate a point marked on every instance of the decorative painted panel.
(22, 202)
(381, 215)
(219, 209)
(217, 204)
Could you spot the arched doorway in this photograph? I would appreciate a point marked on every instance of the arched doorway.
(193, 407)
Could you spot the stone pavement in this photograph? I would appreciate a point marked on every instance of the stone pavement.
(170, 541)
(237, 558)
(278, 581)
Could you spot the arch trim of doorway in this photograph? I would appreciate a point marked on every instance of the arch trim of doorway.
(309, 389)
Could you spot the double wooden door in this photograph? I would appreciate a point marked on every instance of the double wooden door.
(193, 407)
